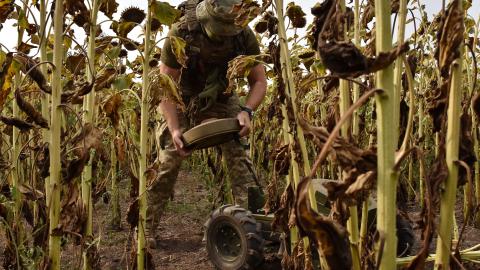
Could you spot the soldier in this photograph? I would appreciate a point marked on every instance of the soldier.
(213, 40)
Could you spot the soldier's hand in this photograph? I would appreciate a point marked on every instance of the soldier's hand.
(245, 123)
(178, 142)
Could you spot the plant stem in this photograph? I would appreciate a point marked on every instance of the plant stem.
(55, 161)
(402, 16)
(452, 149)
(144, 144)
(387, 176)
(116, 216)
(89, 108)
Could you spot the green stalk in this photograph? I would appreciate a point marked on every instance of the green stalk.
(387, 176)
(16, 143)
(43, 68)
(402, 18)
(291, 93)
(352, 223)
(356, 87)
(116, 216)
(475, 140)
(55, 161)
(422, 147)
(467, 188)
(452, 148)
(143, 143)
(89, 108)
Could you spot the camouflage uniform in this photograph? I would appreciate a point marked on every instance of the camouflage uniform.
(205, 57)
(238, 163)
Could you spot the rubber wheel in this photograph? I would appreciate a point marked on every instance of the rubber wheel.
(233, 239)
(405, 233)
(405, 237)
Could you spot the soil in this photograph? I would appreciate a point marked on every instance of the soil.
(181, 228)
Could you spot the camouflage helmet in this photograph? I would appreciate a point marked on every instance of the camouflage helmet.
(218, 17)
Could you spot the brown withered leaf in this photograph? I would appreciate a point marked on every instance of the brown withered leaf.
(108, 7)
(344, 59)
(358, 165)
(16, 122)
(75, 168)
(105, 78)
(89, 137)
(296, 15)
(285, 212)
(239, 68)
(162, 87)
(467, 152)
(120, 149)
(450, 37)
(247, 11)
(437, 103)
(6, 8)
(476, 104)
(30, 111)
(73, 217)
(81, 89)
(132, 214)
(29, 66)
(42, 160)
(111, 107)
(369, 11)
(75, 63)
(25, 48)
(30, 193)
(78, 10)
(320, 11)
(328, 236)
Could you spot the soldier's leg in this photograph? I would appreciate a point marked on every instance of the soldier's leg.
(161, 189)
(240, 171)
(240, 168)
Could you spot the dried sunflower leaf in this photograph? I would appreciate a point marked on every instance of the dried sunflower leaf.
(30, 111)
(16, 122)
(108, 7)
(330, 237)
(162, 87)
(111, 107)
(240, 67)
(165, 13)
(178, 49)
(247, 11)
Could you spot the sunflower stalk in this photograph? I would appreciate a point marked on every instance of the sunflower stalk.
(387, 176)
(291, 97)
(89, 108)
(141, 262)
(115, 222)
(16, 175)
(448, 195)
(43, 68)
(55, 140)
(402, 18)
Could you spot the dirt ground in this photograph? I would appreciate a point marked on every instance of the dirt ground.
(181, 244)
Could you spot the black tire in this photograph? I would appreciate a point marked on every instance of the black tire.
(233, 239)
(405, 237)
(405, 233)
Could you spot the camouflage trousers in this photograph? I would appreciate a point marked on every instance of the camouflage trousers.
(238, 163)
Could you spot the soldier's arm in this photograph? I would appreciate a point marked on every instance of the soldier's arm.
(169, 111)
(258, 87)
